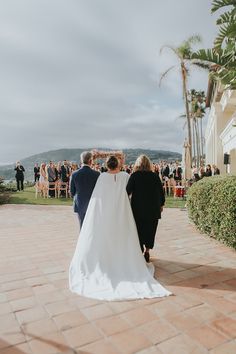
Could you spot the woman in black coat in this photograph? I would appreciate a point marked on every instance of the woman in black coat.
(147, 200)
(19, 176)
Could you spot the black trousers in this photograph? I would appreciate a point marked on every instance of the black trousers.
(36, 178)
(20, 184)
(146, 232)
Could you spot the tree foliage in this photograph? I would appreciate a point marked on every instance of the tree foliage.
(221, 59)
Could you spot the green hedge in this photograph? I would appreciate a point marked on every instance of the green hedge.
(211, 204)
(4, 192)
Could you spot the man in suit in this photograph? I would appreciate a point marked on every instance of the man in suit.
(51, 172)
(82, 184)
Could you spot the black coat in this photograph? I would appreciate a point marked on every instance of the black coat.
(147, 194)
(20, 172)
(146, 201)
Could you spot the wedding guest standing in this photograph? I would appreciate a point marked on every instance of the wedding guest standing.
(177, 174)
(36, 173)
(208, 171)
(216, 170)
(43, 180)
(19, 176)
(147, 201)
(65, 172)
(51, 176)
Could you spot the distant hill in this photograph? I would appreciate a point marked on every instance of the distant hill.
(8, 173)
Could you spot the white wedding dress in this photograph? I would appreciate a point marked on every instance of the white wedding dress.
(108, 263)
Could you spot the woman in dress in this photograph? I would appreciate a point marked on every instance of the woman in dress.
(43, 180)
(147, 201)
(108, 263)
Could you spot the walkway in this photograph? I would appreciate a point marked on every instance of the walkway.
(39, 315)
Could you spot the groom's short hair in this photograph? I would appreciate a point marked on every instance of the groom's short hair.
(86, 157)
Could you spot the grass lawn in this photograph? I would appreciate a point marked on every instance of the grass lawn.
(28, 197)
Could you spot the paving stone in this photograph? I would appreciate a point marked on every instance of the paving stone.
(69, 320)
(226, 348)
(99, 347)
(58, 307)
(139, 316)
(112, 325)
(38, 328)
(158, 331)
(23, 304)
(181, 344)
(12, 336)
(84, 334)
(97, 311)
(130, 341)
(226, 325)
(30, 315)
(51, 343)
(207, 336)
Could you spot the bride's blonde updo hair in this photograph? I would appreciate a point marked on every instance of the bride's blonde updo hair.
(142, 164)
(112, 162)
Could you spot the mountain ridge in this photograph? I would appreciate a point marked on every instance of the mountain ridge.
(73, 154)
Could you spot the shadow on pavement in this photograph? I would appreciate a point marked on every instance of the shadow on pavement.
(194, 275)
(62, 349)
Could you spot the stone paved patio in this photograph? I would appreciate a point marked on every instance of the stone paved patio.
(39, 315)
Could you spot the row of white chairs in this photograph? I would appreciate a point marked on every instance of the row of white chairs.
(58, 188)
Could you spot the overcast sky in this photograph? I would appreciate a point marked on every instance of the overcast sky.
(80, 73)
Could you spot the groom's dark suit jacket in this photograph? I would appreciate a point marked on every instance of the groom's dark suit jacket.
(82, 184)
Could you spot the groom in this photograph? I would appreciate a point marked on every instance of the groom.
(82, 184)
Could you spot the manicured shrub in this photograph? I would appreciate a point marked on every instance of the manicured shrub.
(211, 204)
(4, 192)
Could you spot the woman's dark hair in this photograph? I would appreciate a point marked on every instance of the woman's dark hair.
(112, 162)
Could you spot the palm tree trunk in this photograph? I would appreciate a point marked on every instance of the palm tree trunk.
(197, 143)
(194, 142)
(202, 148)
(185, 92)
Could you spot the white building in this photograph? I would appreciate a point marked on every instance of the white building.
(221, 128)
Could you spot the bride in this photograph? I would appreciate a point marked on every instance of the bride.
(108, 263)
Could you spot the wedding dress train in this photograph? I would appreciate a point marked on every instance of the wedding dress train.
(108, 263)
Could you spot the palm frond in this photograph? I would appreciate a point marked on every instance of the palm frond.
(222, 36)
(202, 65)
(218, 4)
(209, 56)
(163, 75)
(194, 39)
(172, 48)
(231, 32)
(227, 17)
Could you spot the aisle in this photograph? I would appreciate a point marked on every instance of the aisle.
(39, 315)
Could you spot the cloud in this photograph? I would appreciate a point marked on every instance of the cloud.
(81, 73)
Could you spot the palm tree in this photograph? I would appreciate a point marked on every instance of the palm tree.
(183, 54)
(221, 60)
(197, 104)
